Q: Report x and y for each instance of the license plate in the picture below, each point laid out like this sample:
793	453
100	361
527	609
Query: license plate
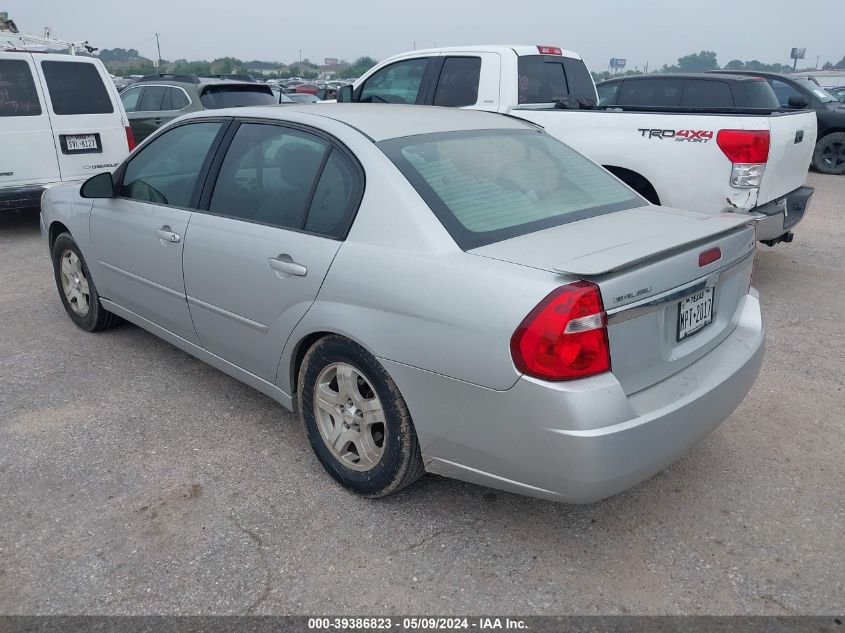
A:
694	313
80	143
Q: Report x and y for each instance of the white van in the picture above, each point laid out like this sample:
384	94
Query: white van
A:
60	119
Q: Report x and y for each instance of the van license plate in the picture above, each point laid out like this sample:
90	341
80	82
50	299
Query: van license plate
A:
80	143
694	313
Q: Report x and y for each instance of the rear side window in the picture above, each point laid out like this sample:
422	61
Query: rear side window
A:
152	98
487	186
177	99
707	93
76	88
17	89
268	175
458	83
236	96
651	92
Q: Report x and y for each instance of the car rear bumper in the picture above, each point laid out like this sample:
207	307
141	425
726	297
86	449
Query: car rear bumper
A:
25	197
582	441
782	215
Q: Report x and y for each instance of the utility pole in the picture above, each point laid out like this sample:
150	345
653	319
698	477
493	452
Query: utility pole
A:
158	48
415	46
300	55
645	72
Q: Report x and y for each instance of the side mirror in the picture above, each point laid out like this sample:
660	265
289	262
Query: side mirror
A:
798	103
344	94
99	186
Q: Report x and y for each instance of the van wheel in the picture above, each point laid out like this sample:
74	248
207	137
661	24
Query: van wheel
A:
76	287
829	156
356	419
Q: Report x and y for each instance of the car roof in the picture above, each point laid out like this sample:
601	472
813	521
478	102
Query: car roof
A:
518	49
710	76
752	73
380	122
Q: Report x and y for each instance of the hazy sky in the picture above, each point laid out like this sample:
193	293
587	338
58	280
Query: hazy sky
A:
639	30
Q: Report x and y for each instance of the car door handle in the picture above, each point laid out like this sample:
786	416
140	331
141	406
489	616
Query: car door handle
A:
284	264
157	121
166	235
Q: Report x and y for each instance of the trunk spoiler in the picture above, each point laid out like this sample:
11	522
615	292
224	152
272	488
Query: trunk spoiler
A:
628	254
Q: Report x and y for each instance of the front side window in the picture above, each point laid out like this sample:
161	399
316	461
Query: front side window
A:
458	83
660	93
268	175
166	171
76	88
17	89
783	91
397	83
487	186
608	92
130	98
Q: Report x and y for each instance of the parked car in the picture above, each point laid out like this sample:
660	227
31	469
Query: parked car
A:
491	306
838	92
805	94
688	90
306	88
155	100
303	97
60	120
743	161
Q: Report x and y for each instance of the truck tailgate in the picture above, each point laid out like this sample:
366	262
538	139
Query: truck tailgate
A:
791	143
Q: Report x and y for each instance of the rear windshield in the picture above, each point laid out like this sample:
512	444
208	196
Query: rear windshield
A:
488	186
76	88
236	96
17	89
545	78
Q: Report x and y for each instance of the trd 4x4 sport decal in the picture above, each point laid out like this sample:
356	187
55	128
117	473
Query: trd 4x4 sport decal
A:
689	136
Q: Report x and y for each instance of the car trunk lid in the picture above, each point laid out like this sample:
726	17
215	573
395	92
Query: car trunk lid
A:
646	262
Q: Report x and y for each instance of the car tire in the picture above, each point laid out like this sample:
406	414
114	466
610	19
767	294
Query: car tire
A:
73	279
829	155
357	421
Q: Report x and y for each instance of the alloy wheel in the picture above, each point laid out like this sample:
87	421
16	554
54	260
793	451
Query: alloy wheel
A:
74	282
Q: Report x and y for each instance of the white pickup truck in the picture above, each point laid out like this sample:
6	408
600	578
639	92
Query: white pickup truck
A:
713	161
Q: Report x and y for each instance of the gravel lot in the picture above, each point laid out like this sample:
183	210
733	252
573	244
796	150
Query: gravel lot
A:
135	479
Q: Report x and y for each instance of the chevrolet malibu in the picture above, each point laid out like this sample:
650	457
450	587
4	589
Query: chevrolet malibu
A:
432	290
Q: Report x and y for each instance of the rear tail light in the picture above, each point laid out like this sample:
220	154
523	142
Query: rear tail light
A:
748	150
565	336
549	50
130	138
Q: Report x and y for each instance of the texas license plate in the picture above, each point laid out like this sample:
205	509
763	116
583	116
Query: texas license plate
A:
694	313
81	142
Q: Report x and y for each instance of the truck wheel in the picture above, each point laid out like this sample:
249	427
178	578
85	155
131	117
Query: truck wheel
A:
829	157
357	421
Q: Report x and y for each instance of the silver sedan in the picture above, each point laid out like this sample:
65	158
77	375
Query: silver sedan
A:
431	289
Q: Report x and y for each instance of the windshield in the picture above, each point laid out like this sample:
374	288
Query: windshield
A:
492	185
545	78
821	94
236	96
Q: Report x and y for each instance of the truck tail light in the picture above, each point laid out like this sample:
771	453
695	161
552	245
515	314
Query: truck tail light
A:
549	50
709	256
748	150
130	138
565	336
